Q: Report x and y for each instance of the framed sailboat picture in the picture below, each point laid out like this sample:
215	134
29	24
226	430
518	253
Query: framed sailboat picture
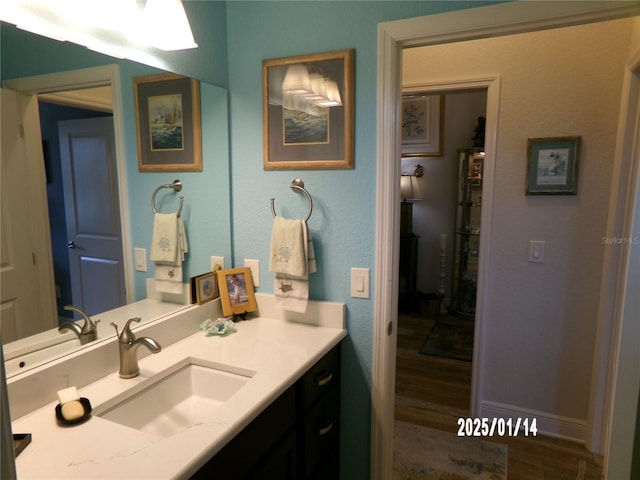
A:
308	111
168	125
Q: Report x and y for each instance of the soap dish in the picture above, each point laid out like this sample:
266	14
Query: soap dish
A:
87	414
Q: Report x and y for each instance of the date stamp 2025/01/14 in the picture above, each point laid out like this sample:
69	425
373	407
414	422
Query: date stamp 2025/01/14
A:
500	427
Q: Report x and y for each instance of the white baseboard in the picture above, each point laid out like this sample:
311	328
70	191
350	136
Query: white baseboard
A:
547	424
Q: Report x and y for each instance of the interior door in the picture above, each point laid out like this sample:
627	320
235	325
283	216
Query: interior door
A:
25	307
87	152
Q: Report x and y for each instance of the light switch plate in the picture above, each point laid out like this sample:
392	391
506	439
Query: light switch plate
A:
536	251
141	259
360	282
254	265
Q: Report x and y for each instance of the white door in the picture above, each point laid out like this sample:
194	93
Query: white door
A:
87	152
26	307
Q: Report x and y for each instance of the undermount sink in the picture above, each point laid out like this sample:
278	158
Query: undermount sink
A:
180	397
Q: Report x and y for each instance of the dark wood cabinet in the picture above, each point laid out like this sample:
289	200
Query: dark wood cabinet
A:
408	274
296	437
319	415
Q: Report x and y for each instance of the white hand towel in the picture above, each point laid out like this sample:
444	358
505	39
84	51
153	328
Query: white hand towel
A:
292	292
165	243
168	246
288	247
168	278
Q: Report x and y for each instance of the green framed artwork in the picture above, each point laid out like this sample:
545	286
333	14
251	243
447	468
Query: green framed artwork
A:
553	165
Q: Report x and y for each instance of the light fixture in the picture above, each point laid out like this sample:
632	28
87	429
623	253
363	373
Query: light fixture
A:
114	27
409	192
318	90
409	188
167	26
313	87
332	94
296	80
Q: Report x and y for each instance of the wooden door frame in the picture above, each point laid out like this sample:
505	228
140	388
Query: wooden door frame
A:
491	21
616	384
73	80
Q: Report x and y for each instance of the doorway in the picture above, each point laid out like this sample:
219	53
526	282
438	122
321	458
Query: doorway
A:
435	338
59	85
71	259
487	21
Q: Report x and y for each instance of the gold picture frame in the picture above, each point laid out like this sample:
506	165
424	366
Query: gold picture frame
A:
204	288
236	291
306	127
168	123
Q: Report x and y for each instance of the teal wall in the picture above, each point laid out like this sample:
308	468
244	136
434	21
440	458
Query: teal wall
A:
343	220
234	39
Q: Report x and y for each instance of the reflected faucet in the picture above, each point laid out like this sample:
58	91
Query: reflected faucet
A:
128	347
87	333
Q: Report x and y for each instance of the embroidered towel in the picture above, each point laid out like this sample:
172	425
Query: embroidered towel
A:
292	291
168	246
168	278
165	239
288	248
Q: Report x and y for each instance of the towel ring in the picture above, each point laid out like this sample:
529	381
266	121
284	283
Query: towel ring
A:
296	185
176	185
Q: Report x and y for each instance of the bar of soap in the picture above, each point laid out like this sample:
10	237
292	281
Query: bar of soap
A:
72	410
67	395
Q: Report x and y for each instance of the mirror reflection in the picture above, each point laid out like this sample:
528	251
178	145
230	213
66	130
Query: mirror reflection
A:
120	211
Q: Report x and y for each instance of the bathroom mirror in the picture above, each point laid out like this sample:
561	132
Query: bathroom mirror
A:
197	192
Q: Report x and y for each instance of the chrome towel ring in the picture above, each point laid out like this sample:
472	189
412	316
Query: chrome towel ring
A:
296	185
176	185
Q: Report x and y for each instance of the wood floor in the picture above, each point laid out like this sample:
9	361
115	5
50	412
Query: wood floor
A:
436	391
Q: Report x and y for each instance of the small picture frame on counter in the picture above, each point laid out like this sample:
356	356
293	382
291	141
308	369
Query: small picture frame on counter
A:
204	288
236	291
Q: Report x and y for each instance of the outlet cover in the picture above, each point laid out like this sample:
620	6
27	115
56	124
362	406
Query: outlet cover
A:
254	265
217	261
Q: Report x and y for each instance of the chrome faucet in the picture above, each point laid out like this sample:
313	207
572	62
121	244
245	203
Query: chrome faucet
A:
128	346
87	333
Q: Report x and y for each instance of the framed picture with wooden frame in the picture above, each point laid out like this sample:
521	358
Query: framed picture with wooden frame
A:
204	288
422	125
236	291
552	165
308	111
168	123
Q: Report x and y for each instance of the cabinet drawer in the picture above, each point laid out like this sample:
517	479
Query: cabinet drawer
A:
320	378
322	430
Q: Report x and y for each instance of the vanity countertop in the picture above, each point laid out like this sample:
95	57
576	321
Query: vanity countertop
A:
279	351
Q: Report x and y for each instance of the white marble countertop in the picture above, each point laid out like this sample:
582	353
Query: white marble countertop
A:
279	351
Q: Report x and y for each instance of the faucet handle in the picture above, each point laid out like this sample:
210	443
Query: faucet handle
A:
126	335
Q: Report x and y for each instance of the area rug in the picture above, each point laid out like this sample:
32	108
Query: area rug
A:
422	453
450	341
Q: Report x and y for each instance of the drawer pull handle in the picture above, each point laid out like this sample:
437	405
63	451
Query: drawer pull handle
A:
326	428
324	379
